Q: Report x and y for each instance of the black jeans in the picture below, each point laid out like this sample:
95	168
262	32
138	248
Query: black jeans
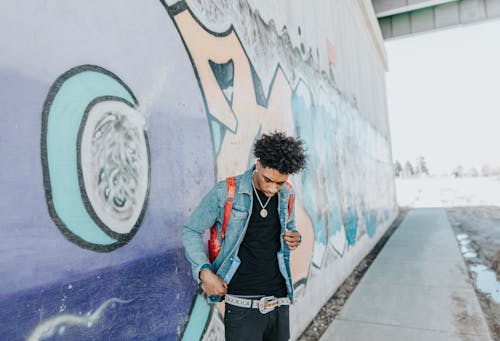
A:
246	324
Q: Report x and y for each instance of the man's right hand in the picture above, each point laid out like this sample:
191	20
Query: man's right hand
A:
212	284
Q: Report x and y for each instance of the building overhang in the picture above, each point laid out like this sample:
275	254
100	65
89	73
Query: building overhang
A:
399	18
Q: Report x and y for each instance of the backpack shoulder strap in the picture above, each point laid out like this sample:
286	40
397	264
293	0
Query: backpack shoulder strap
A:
291	199
231	189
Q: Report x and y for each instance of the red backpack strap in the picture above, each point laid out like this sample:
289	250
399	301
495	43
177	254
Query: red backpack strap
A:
231	189
214	245
291	199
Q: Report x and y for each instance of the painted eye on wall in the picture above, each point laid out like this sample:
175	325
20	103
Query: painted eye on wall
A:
95	157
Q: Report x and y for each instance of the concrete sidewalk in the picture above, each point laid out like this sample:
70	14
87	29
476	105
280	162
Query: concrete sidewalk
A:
416	289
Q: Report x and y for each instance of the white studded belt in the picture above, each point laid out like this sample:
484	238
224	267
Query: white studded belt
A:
264	304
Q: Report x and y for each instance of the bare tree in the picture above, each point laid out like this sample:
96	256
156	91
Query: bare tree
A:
458	172
409	171
421	166
398	169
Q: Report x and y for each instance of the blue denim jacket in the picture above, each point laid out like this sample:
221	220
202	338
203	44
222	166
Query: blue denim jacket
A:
211	209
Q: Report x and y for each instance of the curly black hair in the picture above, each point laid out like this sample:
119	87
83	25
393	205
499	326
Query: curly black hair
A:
281	152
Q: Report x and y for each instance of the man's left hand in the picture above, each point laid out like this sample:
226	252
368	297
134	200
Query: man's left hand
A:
292	239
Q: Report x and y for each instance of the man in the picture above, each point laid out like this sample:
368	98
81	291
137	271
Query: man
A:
252	270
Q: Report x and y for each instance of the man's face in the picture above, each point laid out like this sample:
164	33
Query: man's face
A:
268	180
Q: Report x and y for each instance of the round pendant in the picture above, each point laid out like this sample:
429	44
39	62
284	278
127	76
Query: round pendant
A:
263	213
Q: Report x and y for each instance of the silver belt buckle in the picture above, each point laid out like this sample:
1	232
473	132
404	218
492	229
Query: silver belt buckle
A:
267	304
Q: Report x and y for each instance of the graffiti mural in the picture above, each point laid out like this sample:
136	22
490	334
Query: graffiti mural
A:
128	133
317	125
98	147
331	205
236	123
90	116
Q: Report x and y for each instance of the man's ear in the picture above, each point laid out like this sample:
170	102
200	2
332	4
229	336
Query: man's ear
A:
258	165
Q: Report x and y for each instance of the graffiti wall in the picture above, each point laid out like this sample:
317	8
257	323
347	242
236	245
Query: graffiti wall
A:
118	116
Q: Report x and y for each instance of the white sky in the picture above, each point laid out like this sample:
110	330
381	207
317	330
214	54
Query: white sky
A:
443	92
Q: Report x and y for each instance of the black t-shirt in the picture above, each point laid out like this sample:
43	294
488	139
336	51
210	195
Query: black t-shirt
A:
258	273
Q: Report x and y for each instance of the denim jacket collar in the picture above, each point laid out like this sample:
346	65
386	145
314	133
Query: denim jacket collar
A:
245	186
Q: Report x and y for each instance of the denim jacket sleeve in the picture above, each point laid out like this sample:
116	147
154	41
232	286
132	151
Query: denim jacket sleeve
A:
203	217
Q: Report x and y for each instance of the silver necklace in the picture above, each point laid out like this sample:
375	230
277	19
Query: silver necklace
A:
263	211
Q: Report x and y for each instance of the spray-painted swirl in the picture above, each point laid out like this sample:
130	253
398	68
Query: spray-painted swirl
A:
114	162
96	158
114	149
58	323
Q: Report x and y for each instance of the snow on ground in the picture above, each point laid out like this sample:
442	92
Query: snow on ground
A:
478	235
448	192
